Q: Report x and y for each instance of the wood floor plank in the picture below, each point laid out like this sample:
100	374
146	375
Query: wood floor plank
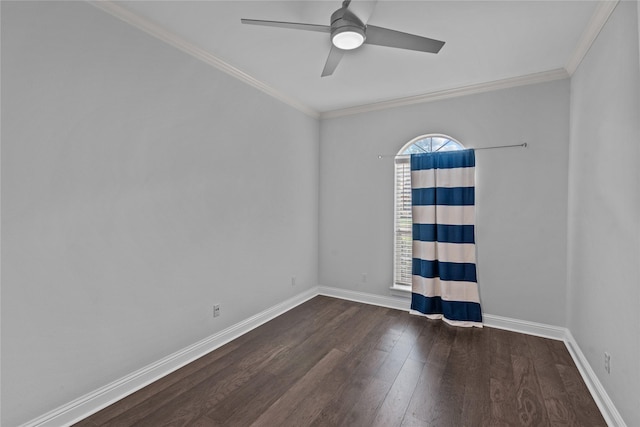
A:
323	394
587	413
152	398
364	410
332	362
477	392
267	385
450	398
195	402
518	343
559	408
559	353
288	404
423	403
347	404
502	390
196	368
403	339
424	343
363	362
205	422
392	410
529	401
341	405
357	329
255	393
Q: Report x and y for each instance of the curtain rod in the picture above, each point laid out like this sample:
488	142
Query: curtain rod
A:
523	145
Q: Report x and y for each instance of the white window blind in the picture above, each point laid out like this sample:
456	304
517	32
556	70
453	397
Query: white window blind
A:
403	223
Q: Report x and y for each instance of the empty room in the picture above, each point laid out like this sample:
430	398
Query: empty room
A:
320	213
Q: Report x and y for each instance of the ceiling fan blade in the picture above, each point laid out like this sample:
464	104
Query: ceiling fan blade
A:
291	25
392	38
335	55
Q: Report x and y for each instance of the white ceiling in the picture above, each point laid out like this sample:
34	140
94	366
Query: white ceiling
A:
486	41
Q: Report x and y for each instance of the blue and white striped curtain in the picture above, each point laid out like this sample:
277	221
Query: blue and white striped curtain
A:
444	284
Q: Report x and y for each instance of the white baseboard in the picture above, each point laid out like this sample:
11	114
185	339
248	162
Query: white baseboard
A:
91	403
606	406
404	303
524	327
399	303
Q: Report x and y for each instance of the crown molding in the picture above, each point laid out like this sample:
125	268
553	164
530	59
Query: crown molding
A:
176	41
545	76
597	21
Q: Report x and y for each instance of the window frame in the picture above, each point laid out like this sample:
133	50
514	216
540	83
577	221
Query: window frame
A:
401	158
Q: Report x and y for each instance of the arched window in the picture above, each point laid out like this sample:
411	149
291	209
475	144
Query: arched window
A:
402	253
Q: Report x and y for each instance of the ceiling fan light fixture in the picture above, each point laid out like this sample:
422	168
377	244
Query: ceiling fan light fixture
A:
348	38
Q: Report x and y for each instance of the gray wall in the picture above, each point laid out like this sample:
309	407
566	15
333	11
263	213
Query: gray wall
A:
521	195
604	209
139	187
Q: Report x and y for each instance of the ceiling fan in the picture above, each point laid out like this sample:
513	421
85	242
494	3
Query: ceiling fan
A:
348	32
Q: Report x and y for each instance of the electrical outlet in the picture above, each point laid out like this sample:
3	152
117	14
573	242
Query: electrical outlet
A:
293	280
607	362
216	310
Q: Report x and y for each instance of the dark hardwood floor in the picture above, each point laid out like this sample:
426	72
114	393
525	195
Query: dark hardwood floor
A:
330	362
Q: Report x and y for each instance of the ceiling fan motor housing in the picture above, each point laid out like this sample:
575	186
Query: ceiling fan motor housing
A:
347	26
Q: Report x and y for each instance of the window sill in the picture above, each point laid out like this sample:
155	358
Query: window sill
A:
400	291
